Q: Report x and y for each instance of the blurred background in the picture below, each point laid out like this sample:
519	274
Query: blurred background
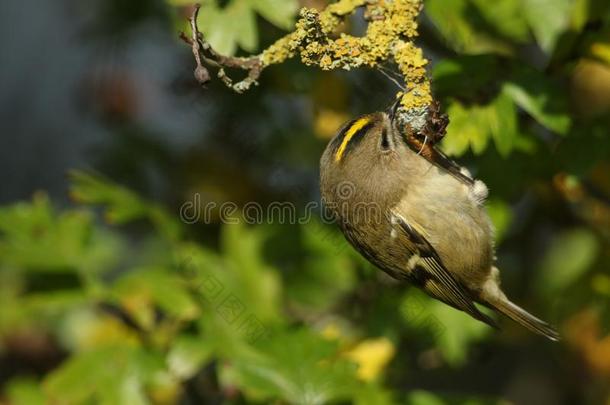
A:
109	294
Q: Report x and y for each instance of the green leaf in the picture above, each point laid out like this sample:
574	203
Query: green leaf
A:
548	19
280	13
106	375
448	17
506	17
570	255
33	237
226	28
452	331
541	98
502	123
373	394
25	391
501	216
465	130
122	205
187	355
419	397
218	28
325	272
299	367
473	126
246	33
534	106
468	31
163	287
248	278
233	25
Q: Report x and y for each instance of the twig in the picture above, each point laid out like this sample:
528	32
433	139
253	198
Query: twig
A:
318	40
205	55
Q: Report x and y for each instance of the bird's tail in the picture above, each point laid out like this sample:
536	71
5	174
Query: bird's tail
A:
524	318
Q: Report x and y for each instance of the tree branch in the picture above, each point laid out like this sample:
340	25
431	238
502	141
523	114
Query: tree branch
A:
206	55
391	31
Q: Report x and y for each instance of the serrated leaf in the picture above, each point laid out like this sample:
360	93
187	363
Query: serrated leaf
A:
161	287
464	131
246	33
217	28
34	237
106	375
122	205
299	367
473	126
226	28
280	13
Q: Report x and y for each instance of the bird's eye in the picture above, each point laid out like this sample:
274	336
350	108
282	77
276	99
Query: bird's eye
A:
385	141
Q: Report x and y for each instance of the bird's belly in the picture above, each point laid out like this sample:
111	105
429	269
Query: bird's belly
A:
456	227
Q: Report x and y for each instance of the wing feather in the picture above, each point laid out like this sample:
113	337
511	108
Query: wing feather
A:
434	278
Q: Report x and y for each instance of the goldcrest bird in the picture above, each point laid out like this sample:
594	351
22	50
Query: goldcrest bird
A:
419	219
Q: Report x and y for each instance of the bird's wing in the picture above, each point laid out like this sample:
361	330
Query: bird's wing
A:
432	276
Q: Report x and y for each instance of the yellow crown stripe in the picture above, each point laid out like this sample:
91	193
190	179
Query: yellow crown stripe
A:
356	126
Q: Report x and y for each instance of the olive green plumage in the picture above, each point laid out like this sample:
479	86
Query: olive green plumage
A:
415	220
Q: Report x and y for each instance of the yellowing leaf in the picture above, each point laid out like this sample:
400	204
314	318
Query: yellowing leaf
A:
372	356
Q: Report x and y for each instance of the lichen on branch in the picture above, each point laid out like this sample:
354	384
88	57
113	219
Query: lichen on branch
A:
318	41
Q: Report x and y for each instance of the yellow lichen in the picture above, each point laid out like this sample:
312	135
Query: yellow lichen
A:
392	27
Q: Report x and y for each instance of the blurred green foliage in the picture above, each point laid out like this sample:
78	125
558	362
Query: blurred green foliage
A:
114	300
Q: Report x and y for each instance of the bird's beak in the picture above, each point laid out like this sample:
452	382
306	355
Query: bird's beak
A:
391	110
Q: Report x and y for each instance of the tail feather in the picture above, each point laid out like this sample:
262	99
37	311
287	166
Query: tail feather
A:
525	319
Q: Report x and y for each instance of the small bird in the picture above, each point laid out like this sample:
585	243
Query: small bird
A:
416	215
